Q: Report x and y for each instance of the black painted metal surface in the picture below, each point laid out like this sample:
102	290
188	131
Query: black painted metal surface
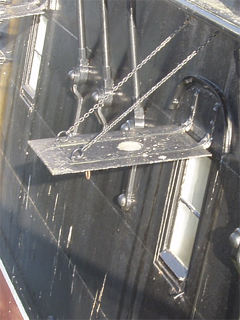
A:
68	247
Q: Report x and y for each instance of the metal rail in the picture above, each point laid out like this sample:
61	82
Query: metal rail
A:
210	17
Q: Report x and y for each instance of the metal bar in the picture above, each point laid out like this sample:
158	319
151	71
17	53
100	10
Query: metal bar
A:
126	199
83	61
79	105
138	112
79	75
190	207
106	48
107	70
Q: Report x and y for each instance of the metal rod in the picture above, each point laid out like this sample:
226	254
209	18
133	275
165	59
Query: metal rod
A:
80	74
125	200
81	34
107	72
138	112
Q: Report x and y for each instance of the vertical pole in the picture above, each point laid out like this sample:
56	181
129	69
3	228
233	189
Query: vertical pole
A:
81	34
107	73
126	199
139	112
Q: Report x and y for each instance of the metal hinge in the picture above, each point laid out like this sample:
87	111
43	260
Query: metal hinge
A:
26	9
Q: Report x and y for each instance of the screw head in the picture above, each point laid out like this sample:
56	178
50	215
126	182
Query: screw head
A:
122	200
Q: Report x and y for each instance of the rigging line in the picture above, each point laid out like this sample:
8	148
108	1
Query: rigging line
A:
78	153
66	134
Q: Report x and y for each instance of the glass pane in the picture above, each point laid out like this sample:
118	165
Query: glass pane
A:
195	181
184	232
41	32
34	71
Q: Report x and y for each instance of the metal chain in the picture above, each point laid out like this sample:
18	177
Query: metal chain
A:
79	152
100	103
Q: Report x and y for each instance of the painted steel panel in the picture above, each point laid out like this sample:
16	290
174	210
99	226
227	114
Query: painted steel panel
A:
70	249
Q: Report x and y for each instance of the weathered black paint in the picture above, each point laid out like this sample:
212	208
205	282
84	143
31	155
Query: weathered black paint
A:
112	250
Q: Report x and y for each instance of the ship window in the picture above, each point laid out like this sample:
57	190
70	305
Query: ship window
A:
182	215
33	59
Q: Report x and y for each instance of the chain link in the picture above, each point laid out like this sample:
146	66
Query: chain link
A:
66	134
79	151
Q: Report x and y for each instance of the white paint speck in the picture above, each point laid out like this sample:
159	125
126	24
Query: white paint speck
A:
69	236
28	190
49	190
55	206
59	237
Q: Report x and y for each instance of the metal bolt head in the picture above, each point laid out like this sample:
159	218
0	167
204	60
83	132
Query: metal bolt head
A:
71	75
75	76
174	105
122	200
95	96
235	238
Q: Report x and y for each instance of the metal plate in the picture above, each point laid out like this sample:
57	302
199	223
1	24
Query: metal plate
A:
176	266
120	149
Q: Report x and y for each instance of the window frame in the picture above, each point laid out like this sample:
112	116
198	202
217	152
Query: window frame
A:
27	92
166	262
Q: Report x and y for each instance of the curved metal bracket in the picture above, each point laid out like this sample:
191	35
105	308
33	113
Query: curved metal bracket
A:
207	91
